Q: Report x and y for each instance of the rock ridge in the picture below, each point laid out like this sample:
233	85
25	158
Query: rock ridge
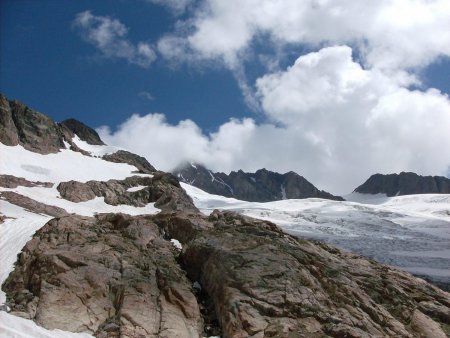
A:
261	186
405	183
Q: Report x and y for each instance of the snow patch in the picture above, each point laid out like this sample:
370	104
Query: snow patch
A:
63	166
283	192
16	327
136	188
95	150
176	244
51	196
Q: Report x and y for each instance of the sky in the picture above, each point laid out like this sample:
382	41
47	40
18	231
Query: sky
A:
335	90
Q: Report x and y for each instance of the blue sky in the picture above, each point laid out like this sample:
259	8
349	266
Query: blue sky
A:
335	91
46	64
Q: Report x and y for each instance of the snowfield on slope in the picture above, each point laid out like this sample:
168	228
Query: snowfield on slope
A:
411	232
20	224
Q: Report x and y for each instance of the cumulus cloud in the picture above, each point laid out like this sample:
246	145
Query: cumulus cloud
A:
388	34
328	119
109	36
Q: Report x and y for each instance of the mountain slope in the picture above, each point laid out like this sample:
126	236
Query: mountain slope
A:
405	183
261	186
103	249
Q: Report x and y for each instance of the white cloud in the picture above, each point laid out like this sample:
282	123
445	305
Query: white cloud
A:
146	95
331	121
109	36
176	6
388	33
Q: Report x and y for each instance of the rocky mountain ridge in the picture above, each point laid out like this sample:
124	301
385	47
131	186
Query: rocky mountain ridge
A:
405	183
20	125
117	275
261	186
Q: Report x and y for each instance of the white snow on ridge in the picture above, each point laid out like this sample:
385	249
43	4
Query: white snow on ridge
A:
400	230
95	150
89	208
63	166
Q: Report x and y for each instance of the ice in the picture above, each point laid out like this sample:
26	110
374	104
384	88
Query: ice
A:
379	227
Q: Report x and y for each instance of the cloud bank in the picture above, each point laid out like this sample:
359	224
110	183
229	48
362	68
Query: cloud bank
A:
328	119
351	104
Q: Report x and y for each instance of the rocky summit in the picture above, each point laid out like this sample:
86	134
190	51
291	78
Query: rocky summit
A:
261	186
405	183
131	255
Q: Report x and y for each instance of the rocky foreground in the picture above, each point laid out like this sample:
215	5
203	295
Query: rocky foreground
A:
122	277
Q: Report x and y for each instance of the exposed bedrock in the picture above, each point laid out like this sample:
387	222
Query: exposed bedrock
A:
163	189
10	181
112	276
123	278
123	156
265	283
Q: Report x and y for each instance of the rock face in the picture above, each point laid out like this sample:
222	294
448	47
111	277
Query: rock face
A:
163	189
84	132
139	162
34	131
10	181
120	274
37	132
261	186
265	283
405	183
32	205
115	272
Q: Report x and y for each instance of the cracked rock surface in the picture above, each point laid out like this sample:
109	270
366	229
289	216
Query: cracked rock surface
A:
124	278
115	272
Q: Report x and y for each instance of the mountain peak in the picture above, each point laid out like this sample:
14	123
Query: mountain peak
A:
405	183
84	132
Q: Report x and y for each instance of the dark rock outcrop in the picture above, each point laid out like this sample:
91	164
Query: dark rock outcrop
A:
405	183
120	275
34	131
32	205
113	276
139	162
84	132
261	186
10	181
163	189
